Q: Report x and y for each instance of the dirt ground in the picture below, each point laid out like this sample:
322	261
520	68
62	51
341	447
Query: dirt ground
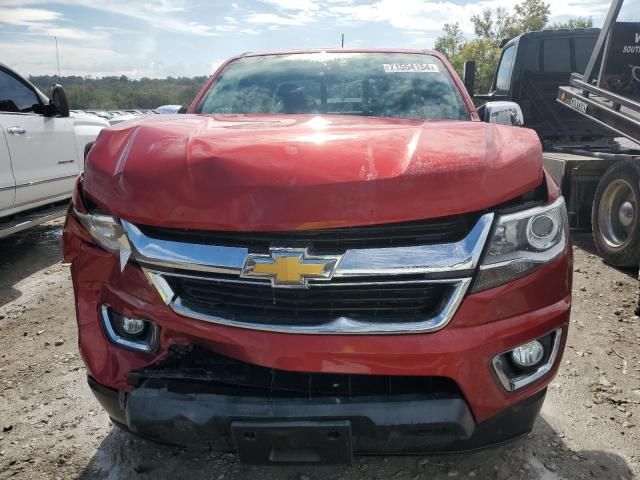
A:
53	428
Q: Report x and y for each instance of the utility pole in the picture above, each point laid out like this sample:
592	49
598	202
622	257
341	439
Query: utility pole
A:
342	41
57	58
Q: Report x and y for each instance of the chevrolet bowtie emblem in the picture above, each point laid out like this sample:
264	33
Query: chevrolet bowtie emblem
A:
289	267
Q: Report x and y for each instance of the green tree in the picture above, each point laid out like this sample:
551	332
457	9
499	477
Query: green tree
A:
498	24
121	92
580	22
486	54
493	24
451	42
531	15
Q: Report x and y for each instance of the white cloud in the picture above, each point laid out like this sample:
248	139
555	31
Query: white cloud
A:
92	50
297	5
410	16
27	16
273	19
579	8
161	14
163	6
225	28
70	33
47	23
405	15
39	57
414	15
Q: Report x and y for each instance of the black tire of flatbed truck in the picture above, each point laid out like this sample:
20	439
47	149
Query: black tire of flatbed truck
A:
617	243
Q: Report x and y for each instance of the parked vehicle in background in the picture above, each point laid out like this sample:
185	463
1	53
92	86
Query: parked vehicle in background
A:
42	151
100	113
329	253
168	109
114	120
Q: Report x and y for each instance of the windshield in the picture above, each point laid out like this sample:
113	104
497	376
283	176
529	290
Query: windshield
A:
416	86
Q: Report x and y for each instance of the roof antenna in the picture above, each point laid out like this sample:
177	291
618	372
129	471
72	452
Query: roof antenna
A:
342	40
57	58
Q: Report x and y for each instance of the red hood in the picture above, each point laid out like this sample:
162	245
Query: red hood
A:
265	172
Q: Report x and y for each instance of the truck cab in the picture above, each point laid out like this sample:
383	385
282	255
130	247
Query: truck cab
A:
531	69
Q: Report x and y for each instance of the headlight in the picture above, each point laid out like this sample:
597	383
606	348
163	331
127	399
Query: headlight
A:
107	231
521	242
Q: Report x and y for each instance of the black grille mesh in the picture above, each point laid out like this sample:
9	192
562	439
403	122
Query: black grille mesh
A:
255	302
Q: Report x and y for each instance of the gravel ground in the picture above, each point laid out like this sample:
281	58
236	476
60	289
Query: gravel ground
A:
53	428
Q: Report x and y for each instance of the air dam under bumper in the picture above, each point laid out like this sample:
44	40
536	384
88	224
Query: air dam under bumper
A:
374	425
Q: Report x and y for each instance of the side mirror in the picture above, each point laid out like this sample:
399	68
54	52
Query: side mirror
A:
59	100
469	76
502	113
182	109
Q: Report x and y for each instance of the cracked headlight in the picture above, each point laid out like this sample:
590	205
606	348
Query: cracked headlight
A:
107	231
521	242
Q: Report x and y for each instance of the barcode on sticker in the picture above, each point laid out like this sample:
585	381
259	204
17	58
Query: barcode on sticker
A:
410	68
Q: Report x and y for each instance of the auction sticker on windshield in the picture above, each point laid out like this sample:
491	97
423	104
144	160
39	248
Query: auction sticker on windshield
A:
410	68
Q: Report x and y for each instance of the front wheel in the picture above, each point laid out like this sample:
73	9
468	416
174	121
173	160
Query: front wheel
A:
615	217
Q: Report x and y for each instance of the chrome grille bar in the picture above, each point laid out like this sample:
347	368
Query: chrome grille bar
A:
458	257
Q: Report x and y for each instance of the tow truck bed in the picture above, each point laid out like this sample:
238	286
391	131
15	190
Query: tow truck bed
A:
617	113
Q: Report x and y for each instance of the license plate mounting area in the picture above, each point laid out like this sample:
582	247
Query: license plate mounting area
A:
269	443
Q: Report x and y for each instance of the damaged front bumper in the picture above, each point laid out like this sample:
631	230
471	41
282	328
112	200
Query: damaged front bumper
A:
197	398
263	431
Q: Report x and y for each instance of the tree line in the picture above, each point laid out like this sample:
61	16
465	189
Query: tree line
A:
491	27
122	92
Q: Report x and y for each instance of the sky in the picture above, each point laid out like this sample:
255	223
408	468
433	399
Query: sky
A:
159	38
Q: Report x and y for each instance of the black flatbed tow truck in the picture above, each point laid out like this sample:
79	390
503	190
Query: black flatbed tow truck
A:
589	123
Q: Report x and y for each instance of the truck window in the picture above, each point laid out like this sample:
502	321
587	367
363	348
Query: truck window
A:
556	55
583	47
398	85
503	78
529	56
15	96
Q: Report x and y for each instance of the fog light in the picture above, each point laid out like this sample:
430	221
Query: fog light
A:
528	362
528	355
131	333
132	326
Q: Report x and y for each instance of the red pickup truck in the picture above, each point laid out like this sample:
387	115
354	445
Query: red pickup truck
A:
332	252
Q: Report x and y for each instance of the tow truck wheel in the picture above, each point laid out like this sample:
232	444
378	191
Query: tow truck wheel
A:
615	218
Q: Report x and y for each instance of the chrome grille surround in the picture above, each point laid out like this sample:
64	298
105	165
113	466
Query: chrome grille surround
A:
449	263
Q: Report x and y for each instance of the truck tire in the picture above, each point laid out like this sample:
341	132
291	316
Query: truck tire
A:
615	219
